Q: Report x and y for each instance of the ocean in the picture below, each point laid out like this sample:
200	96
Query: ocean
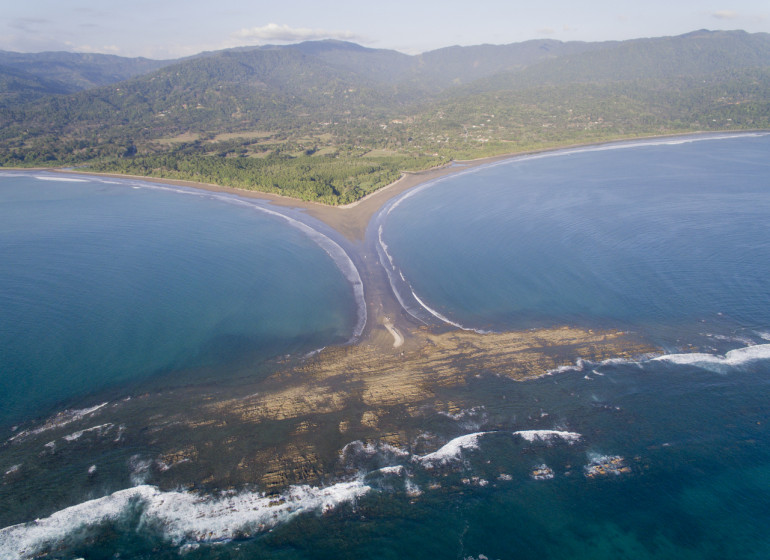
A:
111	285
664	455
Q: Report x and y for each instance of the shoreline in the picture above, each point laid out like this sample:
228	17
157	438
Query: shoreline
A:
383	313
387	324
351	220
382	393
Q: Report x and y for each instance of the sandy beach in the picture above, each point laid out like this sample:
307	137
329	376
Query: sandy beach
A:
352	219
388	325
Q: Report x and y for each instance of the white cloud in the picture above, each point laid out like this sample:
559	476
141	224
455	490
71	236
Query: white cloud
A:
284	33
725	14
546	31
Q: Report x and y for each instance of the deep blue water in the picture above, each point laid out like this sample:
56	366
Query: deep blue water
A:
652	459
105	286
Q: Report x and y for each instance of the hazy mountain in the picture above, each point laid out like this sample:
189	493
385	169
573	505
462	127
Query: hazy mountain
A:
699	53
334	97
65	72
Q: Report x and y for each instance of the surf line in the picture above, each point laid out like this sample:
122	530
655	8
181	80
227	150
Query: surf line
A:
387	262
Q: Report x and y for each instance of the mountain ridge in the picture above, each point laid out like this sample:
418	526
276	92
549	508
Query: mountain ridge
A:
252	113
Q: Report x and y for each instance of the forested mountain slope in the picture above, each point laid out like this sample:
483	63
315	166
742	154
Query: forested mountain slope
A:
331	121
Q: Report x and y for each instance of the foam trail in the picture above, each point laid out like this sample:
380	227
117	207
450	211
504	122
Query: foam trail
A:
446	319
61	179
580	365
61	419
452	451
337	254
182	516
547	436
733	358
385	248
382	253
712	362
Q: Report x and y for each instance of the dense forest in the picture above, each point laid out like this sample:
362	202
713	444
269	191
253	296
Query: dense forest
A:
332	121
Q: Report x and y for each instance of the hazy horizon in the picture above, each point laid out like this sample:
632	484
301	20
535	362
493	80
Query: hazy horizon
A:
174	29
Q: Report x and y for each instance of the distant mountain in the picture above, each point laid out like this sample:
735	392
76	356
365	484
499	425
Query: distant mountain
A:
64	72
339	99
694	54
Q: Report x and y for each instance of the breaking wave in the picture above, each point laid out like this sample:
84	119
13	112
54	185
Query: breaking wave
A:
452	450
712	362
548	436
183	517
733	358
387	262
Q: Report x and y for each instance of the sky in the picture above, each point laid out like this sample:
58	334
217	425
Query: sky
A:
175	28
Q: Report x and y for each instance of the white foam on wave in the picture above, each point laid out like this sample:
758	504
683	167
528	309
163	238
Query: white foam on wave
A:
604	465
704	360
580	365
452	451
385	249
60	179
184	517
344	263
444	318
369	449
397	470
382	250
99	430
733	358
548	436
59	420
745	340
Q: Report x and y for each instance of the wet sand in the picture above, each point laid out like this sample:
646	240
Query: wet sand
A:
351	220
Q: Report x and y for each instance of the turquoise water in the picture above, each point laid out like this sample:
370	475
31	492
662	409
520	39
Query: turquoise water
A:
108	287
655	458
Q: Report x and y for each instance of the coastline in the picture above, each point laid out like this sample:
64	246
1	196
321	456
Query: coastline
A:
399	394
351	220
382	311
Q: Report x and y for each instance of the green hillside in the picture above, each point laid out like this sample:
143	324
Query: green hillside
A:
332	121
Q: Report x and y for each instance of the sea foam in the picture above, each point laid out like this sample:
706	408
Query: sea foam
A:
60	179
733	358
184	517
452	451
548	436
60	419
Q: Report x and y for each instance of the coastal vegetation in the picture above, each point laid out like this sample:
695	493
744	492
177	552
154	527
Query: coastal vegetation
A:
331	121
